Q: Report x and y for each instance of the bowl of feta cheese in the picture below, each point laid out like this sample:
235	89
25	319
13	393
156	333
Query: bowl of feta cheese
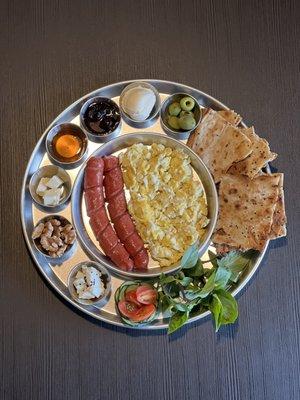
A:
89	283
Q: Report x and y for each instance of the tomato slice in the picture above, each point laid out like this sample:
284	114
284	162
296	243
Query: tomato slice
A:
143	313
130	295
135	313
127	308
146	295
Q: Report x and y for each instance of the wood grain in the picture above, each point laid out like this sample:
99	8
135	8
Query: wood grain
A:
245	54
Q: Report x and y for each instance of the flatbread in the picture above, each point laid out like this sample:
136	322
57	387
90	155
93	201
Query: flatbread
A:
219	144
278	228
246	210
260	156
230	116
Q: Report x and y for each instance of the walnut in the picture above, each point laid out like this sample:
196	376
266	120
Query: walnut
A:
49	243
38	231
55	222
70	237
48	230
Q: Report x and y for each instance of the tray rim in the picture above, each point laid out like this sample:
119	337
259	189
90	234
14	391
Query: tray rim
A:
28	241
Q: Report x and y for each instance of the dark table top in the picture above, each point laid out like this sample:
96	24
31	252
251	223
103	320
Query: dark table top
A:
246	54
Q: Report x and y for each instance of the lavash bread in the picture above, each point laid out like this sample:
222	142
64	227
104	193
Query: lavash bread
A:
246	210
219	144
259	157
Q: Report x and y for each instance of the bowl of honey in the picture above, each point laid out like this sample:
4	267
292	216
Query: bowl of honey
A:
66	145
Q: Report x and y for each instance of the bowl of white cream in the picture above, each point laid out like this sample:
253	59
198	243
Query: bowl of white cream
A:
140	104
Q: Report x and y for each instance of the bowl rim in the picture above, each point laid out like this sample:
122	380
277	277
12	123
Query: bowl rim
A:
112	147
83	109
51	154
40	203
164	104
68	250
156	107
101	268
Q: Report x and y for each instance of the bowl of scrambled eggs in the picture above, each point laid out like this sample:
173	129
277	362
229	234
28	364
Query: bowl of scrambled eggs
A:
171	197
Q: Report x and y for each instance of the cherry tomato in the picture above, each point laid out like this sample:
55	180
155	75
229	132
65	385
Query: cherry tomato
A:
130	295
146	295
135	313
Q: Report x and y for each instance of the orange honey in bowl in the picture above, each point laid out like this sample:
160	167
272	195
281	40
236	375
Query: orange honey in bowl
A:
67	146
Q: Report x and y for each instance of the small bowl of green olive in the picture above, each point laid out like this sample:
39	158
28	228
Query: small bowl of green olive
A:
180	115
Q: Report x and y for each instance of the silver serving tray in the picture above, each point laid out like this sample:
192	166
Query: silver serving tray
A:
56	272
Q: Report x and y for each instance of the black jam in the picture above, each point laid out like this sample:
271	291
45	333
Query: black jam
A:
102	117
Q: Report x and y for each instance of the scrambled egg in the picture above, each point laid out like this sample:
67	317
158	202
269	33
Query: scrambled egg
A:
169	207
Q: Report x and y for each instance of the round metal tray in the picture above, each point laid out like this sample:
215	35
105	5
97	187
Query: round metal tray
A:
56	272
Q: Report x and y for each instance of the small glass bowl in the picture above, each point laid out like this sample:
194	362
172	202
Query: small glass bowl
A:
154	113
47	172
70	248
105	277
67	128
94	137
178	134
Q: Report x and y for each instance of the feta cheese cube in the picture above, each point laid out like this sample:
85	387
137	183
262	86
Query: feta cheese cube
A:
55	182
52	197
42	186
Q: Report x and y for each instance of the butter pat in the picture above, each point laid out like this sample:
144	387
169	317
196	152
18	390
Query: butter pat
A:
138	103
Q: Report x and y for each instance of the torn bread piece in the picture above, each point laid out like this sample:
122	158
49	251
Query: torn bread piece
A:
246	210
219	144
231	116
278	228
260	156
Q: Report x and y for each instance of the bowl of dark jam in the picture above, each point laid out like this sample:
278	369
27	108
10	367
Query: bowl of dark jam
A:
100	119
66	145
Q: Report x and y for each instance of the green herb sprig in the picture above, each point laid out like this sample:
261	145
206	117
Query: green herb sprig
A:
197	288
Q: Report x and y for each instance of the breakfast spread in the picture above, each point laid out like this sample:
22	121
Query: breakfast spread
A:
51	190
88	283
138	102
152	207
53	236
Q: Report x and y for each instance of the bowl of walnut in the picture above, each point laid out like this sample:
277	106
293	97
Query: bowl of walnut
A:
54	236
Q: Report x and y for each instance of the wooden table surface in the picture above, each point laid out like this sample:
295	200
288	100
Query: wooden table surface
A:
246	54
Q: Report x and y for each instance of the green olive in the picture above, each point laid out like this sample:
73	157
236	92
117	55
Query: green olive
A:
187	122
183	113
174	109
174	122
187	103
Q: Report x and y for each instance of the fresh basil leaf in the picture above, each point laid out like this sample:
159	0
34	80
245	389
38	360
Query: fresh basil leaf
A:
215	307
196	271
224	308
208	287
213	258
229	307
185	281
190	256
180	306
164	303
164	279
222	277
177	321
235	262
208	272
